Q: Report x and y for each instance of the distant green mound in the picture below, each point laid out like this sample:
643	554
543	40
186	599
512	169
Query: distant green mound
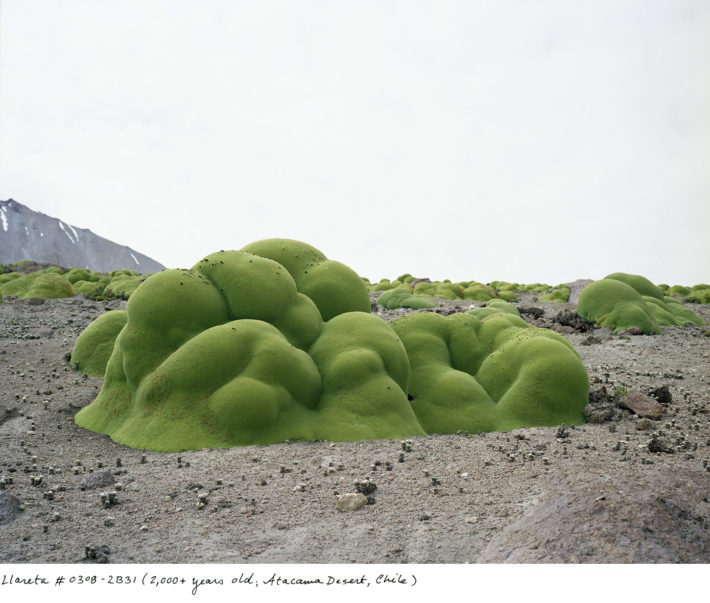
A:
403	298
559	294
46	284
53	283
620	301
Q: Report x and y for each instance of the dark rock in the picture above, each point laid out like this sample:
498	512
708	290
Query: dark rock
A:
575	321
9	507
633	331
35	301
602	407
532	311
590	340
97	479
96	554
642	405
662	394
657	444
562	432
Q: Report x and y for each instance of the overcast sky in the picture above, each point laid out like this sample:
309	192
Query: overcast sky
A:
523	141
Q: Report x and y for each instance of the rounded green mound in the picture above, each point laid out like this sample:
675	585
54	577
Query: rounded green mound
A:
559	294
232	352
495	373
47	284
333	287
677	291
403	298
479	292
94	346
495	306
699	296
640	284
507	296
617	304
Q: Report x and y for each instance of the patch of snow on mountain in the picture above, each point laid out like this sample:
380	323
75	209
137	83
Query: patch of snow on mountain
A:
61	225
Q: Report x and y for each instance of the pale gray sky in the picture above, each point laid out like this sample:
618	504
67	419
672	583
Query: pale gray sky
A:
523	141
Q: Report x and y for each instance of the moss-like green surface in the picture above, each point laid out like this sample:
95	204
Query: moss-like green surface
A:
479	292
234	352
620	301
699	296
403	298
495	373
333	287
495	306
559	294
94	346
45	284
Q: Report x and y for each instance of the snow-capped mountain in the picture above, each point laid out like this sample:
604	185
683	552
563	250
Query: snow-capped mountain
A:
29	235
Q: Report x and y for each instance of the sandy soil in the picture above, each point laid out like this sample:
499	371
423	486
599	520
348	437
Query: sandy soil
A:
593	493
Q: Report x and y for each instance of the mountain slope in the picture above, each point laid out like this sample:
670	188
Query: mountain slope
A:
29	235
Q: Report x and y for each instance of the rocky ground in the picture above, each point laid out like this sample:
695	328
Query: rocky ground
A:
626	489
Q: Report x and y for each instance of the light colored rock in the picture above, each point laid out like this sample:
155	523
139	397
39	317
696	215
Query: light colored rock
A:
642	405
351	501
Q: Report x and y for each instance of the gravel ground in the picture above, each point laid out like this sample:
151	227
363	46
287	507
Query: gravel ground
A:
592	493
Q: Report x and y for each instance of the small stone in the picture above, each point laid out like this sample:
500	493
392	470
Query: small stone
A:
644	424
633	331
471	519
642	405
662	394
97	479
351	501
657	444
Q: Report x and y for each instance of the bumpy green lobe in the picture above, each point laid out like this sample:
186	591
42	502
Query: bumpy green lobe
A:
9	276
495	306
507	296
479	292
442	290
559	294
497	373
333	287
639	283
403	298
94	346
700	296
45	284
677	291
618	305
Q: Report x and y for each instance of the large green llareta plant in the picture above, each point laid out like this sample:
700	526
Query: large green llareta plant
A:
237	351
620	301
491	373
